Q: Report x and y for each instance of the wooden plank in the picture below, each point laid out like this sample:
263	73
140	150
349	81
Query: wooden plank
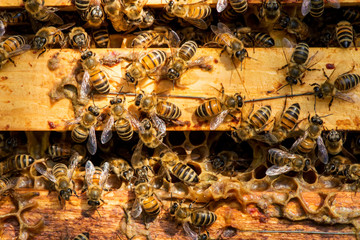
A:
25	104
251	224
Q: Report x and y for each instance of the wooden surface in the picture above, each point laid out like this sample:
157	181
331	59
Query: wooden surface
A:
25	104
251	224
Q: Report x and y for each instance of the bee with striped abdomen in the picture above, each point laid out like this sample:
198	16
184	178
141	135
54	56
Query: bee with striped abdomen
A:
295	26
11	18
38	11
145	200
49	36
270	11
316	7
101	37
79	38
217	109
122	169
311	138
334	142
95	15
133	9
160	35
95	178
150	136
82	6
11	47
193	13
82	236
113	10
59	151
61	175
261	39
351	14
238	6
7	184
139	163
251	127
342	167
337	88
146	65
345	34
15	163
285	161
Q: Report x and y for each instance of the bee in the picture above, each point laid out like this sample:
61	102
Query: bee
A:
95	15
85	128
218	108
193	13
171	163
298	64
311	138
316	7
262	39
251	127
15	163
295	26
93	74
166	17
159	36
283	129
343	83
122	169
120	119
145	66
101	37
225	162
334	142
82	6
112	8
82	236
229	15
79	38
145	200
47	36
345	34
149	135
342	167
61	175
133	9
41	13
11	18
140	164
285	161
351	14
6	184
11	47
238	6
95	179
231	44
61	150
188	215
270	11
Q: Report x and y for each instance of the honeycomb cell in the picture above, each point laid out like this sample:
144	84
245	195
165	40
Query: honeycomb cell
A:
260	172
310	176
284	183
198	154
259	185
176	138
294	211
197	137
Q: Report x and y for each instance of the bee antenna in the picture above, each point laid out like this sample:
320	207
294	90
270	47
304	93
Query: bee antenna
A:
282	87
325	115
98	212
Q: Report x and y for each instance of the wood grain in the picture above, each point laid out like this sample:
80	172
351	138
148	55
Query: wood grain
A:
25	104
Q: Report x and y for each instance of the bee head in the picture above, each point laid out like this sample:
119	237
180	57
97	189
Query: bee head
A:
291	80
94	110
218	162
241	54
239	100
87	54
93	203
174	207
316	120
173	74
334	136
129	78
284	21
138	99
65	194
38	42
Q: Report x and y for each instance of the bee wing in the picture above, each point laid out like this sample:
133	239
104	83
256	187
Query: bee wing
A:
104	174
275	170
322	152
106	134
158	123
66	26
305	7
201	61
199	23
11	184
74	160
189	231
136	209
21	50
344	96
220	30
134	121
297	142
334	3
91	143
74	121
221	5
137	153
174	39
89	172
85	85
2	28
288	48
218	119
43	171
55	19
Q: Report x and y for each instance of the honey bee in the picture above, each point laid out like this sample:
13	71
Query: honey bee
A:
95	16
145	200
188	215
60	151
47	36
345	34
295	26
334	142
8	145
311	138
238	6
149	135
218	108
11	18
94	74
251	127
7	184
82	236
85	128
133	9
101	37
231	44
158	36
122	169
342	167
146	65
15	163
351	14
61	175
343	83
95	179
285	161
79	38
112	8
41	13
11	47
120	119
229	15
270	11
261	39
225	162
284	128
140	164
298	64
193	13
316	7
82	6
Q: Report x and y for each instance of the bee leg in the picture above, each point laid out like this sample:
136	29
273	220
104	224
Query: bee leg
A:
42	52
12	61
223	50
330	103
283	67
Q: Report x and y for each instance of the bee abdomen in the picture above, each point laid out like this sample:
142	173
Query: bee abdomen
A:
82	236
208	109
306	146
22	161
153	59
199	12
301	53
124	129
261	116
100	81
101	37
347	81
290	117
262	39
13	43
275	157
317	8
185	173
59	170
168	110
239	6
79	134
203	218
59	150
344	34
144	38
228	14
151	206
188	50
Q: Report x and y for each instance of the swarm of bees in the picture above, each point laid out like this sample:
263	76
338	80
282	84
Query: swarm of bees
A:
145	162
